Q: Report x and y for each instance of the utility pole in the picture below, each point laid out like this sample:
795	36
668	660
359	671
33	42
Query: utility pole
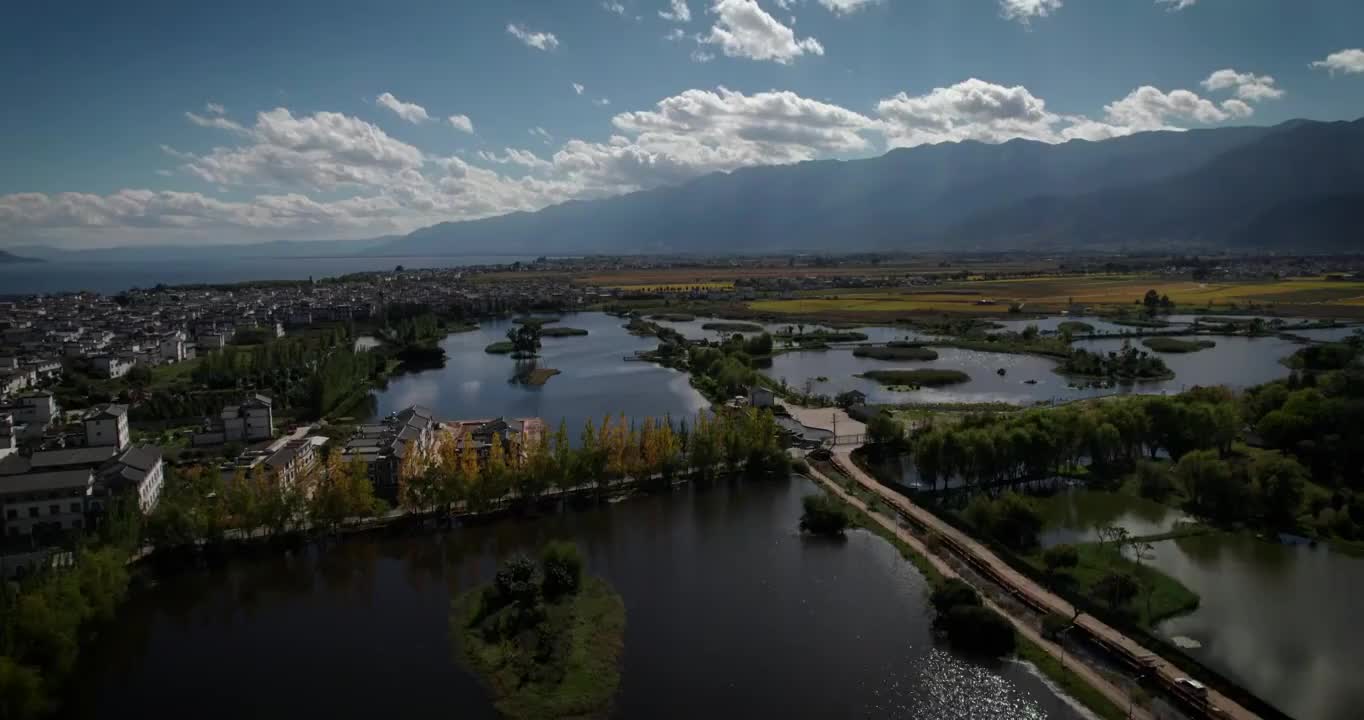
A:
834	417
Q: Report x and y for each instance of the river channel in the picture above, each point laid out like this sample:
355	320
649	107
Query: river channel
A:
730	613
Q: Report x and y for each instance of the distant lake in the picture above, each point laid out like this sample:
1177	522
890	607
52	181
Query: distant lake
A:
112	277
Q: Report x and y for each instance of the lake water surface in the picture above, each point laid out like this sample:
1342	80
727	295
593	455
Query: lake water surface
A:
730	613
594	379
1283	620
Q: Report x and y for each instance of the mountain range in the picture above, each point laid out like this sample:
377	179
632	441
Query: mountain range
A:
1296	186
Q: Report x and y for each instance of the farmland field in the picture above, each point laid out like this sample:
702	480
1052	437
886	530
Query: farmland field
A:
674	287
1306	296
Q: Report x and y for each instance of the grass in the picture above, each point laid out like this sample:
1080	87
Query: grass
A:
1168	596
1070	683
896	353
501	347
165	376
732	327
927	377
562	332
1075	327
539	376
673	317
591	624
1177	345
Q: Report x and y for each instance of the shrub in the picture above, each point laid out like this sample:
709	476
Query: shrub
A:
823	516
562	568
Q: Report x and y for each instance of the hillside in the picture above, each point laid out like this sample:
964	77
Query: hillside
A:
1207	188
10	258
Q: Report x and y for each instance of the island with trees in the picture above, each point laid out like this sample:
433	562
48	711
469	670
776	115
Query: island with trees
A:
913	379
546	639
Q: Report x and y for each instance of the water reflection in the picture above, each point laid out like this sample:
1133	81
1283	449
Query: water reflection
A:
1073	515
594	379
1281	619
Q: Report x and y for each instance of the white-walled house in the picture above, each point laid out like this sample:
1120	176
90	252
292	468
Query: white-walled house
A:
111	366
45	501
139	471
107	425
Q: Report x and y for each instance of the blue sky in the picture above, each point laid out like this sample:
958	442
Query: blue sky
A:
173	122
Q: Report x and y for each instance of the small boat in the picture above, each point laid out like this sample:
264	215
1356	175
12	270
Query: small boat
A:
1002	372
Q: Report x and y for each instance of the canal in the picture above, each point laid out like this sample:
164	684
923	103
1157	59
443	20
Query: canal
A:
730	613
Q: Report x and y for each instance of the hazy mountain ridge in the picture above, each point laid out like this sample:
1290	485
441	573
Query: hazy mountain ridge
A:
1200	188
6	257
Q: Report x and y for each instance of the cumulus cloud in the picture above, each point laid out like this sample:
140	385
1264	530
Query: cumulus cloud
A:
1176	5
844	7
461	123
677	11
1349	62
601	102
970	110
538	40
213	108
743	29
578	88
1248	86
410	112
613	6
374	184
1025	10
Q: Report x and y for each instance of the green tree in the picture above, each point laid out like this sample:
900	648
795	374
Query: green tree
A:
1116	590
1060	557
1279	481
823	515
562	569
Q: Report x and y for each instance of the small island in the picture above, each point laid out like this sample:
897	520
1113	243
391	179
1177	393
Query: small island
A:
673	317
1074	327
1128	363
562	332
546	640
740	327
823	515
896	351
501	347
536	377
927	377
1177	345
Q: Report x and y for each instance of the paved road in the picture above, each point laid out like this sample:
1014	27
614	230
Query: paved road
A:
1025	585
1115	694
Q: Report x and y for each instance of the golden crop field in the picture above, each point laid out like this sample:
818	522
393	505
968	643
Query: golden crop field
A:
1313	296
674	288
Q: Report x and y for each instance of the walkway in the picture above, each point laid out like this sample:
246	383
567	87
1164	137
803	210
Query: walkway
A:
1023	586
1109	690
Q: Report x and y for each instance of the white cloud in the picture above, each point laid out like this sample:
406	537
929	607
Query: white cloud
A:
322	151
461	123
701	56
578	88
213	108
513	156
1350	62
375	184
538	40
843	7
1025	10
1148	108
970	110
221	123
675	34
1176	5
602	102
677	11
410	112
1248	86
743	29
613	6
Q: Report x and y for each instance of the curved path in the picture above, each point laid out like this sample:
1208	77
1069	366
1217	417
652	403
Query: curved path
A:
1092	677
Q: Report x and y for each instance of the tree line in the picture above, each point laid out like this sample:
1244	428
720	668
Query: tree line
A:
462	475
